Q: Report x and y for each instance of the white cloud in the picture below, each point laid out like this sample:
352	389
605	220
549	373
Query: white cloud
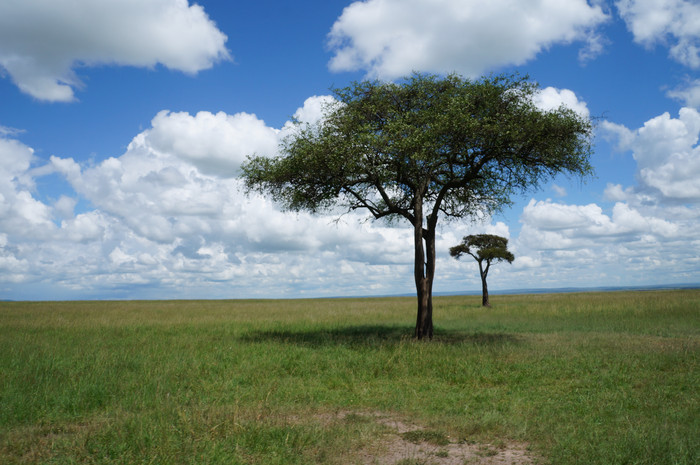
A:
42	41
616	193
215	143
6	131
168	218
555	216
65	206
525	262
667	154
649	234
84	227
595	46
310	113
391	38
675	23
617	134
17	157
314	108
590	222
689	94
583	245
20	212
551	98
168	215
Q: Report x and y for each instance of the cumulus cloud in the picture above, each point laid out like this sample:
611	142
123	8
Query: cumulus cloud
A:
568	224
688	94
391	38
20	212
551	98
314	108
556	217
168	214
675	23
585	245
178	178
667	154
649	232
310	113
214	143
42	41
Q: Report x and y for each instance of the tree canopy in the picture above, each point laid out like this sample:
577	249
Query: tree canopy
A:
486	248
423	148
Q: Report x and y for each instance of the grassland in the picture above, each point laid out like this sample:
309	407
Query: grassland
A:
586	378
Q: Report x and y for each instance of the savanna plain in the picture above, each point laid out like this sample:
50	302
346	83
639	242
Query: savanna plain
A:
581	378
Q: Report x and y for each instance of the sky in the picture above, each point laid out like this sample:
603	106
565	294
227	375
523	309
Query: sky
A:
123	125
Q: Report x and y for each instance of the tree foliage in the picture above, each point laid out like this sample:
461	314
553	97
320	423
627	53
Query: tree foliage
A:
424	148
484	247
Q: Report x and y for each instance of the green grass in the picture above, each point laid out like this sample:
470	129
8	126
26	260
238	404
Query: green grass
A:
589	378
431	437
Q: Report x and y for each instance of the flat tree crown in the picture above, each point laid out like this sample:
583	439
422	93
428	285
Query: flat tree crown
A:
461	146
488	247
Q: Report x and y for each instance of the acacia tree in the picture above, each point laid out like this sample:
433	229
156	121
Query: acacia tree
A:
423	148
487	248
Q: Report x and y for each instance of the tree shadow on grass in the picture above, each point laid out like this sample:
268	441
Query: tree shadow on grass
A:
373	335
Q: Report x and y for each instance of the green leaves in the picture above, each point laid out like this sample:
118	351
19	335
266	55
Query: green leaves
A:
488	247
458	145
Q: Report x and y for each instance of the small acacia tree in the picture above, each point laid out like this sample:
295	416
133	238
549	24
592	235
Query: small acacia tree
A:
421	149
484	248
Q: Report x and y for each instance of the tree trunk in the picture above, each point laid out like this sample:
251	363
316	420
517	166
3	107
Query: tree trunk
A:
484	287
424	318
424	272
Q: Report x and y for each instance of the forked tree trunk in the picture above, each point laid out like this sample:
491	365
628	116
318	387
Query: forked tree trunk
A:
484	287
424	291
424	273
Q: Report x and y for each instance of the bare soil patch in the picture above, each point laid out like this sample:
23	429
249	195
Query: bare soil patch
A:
407	443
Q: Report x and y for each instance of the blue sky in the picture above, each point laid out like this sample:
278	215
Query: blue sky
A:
123	125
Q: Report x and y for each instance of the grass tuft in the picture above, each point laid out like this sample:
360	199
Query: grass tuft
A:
436	438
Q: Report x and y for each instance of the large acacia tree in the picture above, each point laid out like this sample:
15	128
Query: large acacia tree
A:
421	149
